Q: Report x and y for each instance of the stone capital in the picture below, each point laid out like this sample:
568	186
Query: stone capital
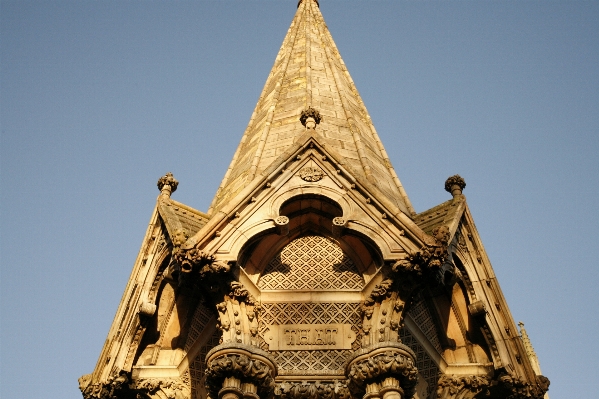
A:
386	366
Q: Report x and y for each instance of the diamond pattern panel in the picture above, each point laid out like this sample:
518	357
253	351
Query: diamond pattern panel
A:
200	318
311	362
198	366
421	315
311	262
426	366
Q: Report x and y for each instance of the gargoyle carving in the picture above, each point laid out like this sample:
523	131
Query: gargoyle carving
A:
194	264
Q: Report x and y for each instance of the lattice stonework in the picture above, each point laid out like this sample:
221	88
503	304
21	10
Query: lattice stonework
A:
198	366
421	315
201	317
324	362
311	262
426	366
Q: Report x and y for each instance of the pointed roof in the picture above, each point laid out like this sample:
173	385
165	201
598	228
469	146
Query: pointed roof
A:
309	72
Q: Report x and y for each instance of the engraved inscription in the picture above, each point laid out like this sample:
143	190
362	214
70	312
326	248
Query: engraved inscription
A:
309	336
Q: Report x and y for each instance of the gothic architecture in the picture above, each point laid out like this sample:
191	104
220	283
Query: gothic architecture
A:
311	275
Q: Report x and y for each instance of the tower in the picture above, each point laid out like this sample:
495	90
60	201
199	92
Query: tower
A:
311	275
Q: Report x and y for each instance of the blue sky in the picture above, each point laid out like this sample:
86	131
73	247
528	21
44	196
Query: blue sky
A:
100	98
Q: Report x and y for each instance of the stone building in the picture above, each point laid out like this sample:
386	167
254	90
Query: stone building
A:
311	275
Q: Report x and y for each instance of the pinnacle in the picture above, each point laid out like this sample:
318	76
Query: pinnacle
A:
309	74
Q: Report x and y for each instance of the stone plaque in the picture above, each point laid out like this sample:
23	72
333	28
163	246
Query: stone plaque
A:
309	337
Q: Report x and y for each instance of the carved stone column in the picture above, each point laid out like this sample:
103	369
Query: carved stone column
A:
237	371
385	371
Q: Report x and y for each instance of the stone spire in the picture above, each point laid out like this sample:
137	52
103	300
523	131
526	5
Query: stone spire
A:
309	73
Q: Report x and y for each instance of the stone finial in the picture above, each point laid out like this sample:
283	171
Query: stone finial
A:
310	118
167	184
454	185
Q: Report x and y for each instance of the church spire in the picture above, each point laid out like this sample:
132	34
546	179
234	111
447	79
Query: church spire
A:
309	73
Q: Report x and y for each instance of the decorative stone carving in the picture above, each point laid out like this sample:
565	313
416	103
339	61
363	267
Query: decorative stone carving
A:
383	310
514	387
311	174
389	366
339	225
461	387
310	113
147	309
238	316
239	371
194	263
455	185
109	389
167	184
316	390
155	388
282	223
477	308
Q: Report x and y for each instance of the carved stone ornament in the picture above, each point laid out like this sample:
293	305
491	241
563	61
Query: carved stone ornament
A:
311	174
513	387
168	180
383	310
455	185
310	113
102	390
384	367
236	371
461	387
238	316
196	264
316	390
155	388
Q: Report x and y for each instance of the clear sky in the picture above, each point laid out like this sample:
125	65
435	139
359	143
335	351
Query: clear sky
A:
101	98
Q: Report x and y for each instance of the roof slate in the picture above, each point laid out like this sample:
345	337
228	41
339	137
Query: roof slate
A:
309	72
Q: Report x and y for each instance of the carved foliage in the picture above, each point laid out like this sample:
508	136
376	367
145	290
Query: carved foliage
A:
514	387
168	180
380	366
238	316
241	367
383	310
455	180
310	113
317	390
107	390
461	387
162	388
